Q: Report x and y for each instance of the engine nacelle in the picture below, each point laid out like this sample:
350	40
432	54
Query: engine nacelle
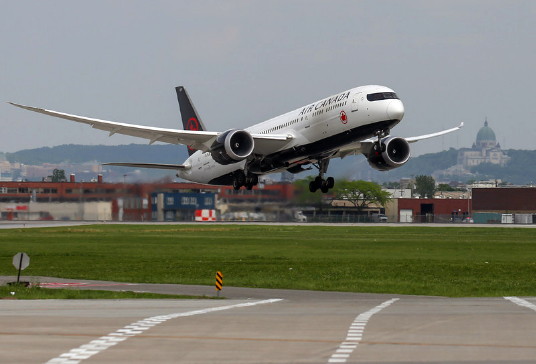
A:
232	146
391	152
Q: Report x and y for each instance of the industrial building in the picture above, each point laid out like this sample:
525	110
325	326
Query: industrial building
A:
98	200
436	210
504	205
171	201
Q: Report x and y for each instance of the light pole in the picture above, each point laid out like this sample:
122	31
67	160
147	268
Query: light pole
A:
468	203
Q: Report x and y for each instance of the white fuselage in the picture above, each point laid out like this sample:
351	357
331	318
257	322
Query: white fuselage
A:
333	119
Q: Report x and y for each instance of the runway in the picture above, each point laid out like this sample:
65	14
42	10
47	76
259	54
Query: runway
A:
266	326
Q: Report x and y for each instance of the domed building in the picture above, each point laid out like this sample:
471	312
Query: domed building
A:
485	138
486	149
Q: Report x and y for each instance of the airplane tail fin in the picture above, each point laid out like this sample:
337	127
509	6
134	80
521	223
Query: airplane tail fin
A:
190	118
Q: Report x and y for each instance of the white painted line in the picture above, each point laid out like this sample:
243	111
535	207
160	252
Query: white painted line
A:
96	346
355	333
521	302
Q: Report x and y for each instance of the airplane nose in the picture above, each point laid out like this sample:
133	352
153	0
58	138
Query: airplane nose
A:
395	110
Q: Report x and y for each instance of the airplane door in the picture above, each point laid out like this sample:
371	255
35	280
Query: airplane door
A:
357	101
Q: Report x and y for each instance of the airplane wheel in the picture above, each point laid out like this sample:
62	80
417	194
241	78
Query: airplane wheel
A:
239	180
249	186
330	182
312	187
255	179
252	180
324	187
236	184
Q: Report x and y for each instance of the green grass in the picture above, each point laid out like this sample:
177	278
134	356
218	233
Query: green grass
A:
406	260
38	293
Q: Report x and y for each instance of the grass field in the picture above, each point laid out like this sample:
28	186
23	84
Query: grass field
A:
406	260
37	293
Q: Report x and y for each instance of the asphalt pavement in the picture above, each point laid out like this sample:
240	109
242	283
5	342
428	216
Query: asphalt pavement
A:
265	326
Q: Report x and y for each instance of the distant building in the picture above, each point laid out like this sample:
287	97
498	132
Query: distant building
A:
486	184
181	206
505	205
98	200
485	149
399	192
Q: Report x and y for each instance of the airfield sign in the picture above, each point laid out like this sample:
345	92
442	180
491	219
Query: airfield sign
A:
21	261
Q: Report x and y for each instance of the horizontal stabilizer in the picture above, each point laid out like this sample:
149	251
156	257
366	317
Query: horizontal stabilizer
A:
149	165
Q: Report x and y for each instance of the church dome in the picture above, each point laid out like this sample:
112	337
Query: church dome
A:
485	134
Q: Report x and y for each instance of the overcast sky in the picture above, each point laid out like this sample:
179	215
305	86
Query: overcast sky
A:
246	61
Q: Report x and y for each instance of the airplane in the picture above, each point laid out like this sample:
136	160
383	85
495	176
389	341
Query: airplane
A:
355	121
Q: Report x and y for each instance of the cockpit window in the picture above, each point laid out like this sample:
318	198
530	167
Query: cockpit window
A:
381	96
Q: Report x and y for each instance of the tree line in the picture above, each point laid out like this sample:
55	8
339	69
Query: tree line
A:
362	194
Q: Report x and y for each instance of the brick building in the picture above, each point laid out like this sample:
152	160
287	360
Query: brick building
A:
99	200
432	209
505	205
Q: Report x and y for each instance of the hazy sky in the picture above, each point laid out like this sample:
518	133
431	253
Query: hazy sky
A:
246	61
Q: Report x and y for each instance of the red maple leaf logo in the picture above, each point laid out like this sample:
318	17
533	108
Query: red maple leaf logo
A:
192	124
343	117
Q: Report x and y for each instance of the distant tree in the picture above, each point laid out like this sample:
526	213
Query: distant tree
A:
361	193
58	175
391	185
303	195
425	186
444	187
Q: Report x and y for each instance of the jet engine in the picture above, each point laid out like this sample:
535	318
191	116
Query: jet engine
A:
232	146
389	153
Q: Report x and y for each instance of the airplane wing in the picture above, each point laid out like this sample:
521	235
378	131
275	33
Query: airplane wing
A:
365	145
196	139
433	135
149	165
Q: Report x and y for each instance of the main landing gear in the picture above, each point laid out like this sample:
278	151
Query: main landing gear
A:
241	179
319	183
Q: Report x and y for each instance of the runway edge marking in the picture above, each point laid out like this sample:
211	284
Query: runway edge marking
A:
355	333
521	302
96	346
